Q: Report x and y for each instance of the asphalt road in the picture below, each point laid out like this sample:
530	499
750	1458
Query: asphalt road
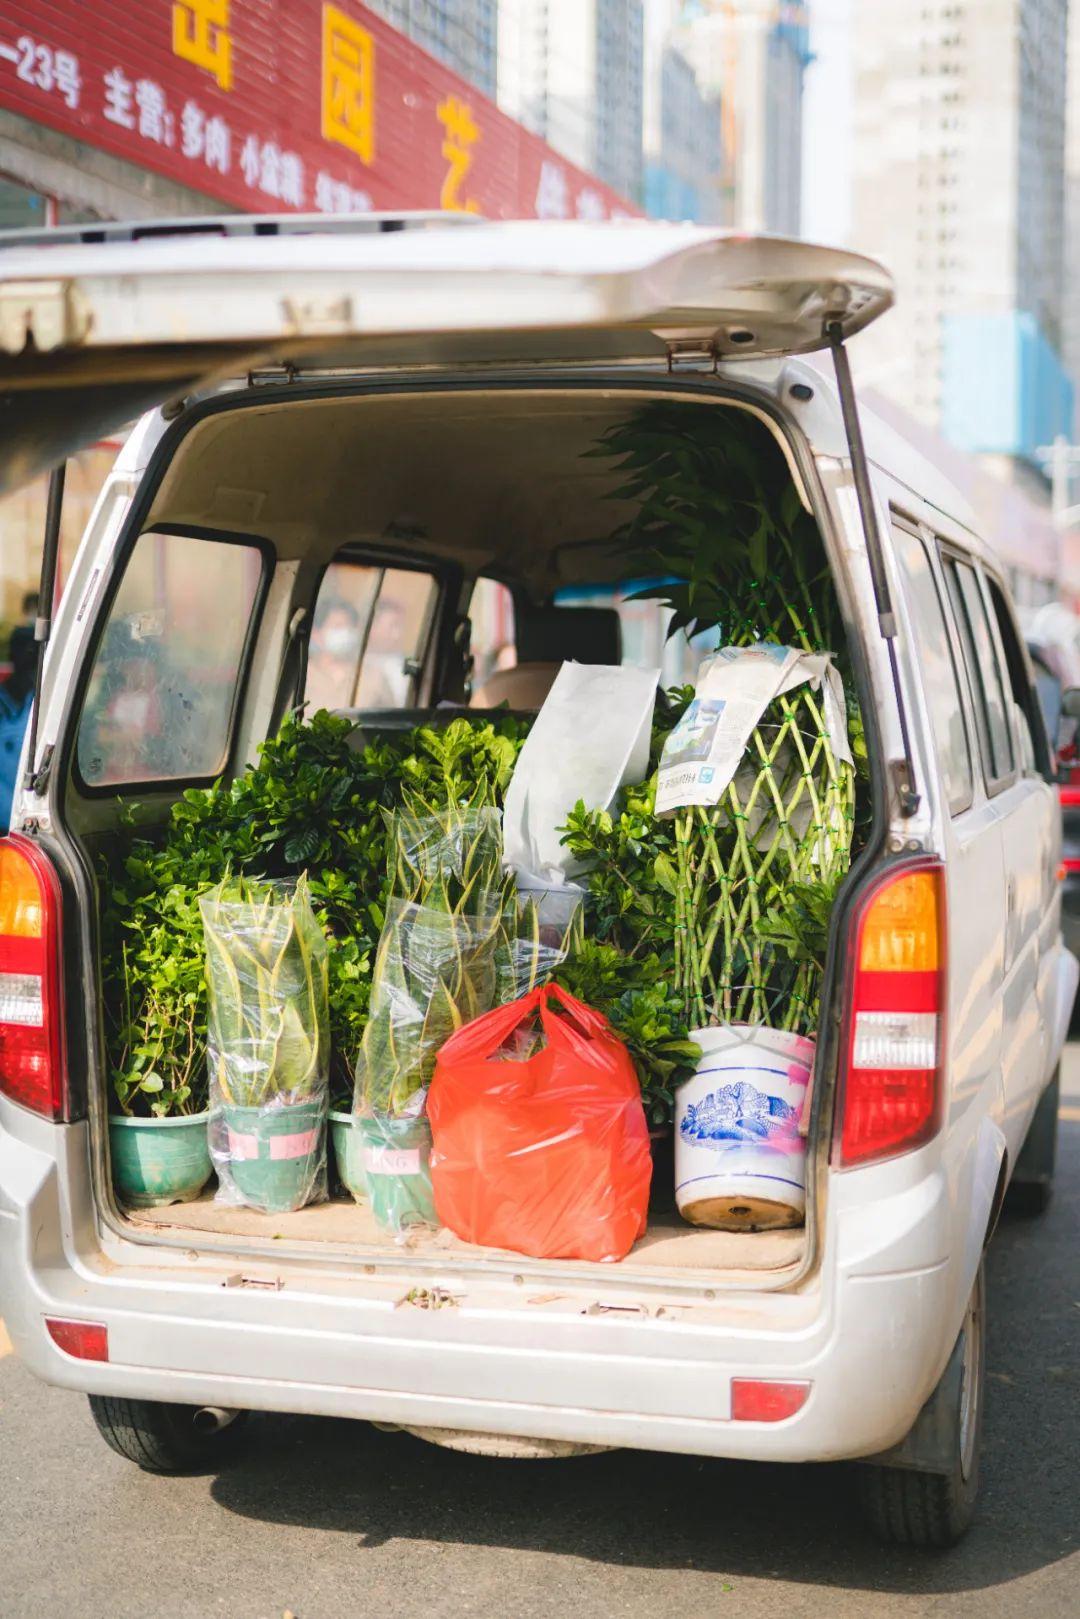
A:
327	1520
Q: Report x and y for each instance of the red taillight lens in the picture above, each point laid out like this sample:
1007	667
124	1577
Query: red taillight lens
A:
759	1399
891	1094
31	999
84	1340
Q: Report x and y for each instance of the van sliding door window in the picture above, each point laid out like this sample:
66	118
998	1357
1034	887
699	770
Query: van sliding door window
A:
162	693
1026	707
987	687
934	654
369	633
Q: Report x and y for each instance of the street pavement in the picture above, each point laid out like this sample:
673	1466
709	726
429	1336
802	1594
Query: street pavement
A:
327	1520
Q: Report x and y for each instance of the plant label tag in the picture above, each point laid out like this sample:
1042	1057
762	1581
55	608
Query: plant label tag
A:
392	1160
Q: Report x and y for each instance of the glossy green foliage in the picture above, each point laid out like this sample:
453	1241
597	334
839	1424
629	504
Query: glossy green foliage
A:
314	803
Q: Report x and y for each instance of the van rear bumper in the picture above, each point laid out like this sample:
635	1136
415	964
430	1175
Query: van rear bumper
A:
871	1338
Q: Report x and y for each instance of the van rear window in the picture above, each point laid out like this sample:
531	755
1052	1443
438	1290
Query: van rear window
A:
369	634
163	687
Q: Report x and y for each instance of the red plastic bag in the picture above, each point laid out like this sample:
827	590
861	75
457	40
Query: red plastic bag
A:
548	1156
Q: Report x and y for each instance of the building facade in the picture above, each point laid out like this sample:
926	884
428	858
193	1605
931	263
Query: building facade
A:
194	110
684	161
461	33
572	72
1070	302
752	55
958	184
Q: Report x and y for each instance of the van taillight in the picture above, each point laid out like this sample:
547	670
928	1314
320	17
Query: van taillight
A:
31	1000
890	1098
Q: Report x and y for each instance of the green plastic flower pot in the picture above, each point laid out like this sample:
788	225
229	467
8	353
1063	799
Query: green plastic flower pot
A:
275	1153
398	1171
159	1161
348	1142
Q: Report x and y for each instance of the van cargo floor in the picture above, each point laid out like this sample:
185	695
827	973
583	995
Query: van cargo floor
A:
667	1245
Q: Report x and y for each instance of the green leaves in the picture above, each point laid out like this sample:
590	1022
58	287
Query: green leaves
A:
636	995
299	849
665	874
314	800
717	510
798	921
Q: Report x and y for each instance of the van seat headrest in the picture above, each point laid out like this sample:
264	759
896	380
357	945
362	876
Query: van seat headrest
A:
568	634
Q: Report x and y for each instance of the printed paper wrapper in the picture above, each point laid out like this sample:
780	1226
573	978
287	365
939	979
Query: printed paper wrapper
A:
734	688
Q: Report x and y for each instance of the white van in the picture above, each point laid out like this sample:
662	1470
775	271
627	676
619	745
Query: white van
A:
411	398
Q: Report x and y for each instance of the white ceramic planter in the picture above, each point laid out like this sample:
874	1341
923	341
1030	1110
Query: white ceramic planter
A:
740	1162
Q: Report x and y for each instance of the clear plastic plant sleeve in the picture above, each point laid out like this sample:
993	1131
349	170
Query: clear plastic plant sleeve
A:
449	858
434	971
268	1044
532	945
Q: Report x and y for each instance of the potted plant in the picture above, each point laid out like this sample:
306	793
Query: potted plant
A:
266	972
436	967
434	970
725	532
158	1129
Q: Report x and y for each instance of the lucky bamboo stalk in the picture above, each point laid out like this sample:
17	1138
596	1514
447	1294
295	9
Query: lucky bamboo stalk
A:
716	508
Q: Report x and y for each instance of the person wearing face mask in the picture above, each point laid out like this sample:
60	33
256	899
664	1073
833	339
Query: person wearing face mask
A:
333	657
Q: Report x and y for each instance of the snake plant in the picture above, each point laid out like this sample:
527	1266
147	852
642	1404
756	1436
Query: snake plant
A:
266	975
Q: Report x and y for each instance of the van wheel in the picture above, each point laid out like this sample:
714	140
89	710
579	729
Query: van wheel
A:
1033	1179
910	1506
163	1438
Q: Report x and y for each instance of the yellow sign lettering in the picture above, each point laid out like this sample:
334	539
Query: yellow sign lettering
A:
462	133
348	84
200	34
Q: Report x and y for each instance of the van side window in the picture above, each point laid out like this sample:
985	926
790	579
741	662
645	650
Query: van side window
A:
164	682
987	685
935	656
491	641
369	634
1028	710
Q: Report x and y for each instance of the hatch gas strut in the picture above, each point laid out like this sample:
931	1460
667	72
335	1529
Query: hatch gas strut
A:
34	780
903	769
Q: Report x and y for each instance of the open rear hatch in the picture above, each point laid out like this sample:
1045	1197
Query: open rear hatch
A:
92	334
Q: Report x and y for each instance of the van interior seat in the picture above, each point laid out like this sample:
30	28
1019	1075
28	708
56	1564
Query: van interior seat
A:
546	637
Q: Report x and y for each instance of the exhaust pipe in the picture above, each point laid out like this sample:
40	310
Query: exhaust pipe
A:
212	1418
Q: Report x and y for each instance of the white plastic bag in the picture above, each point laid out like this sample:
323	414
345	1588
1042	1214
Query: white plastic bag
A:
590	737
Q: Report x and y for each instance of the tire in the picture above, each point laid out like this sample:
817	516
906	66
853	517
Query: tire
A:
912	1507
163	1438
1033	1180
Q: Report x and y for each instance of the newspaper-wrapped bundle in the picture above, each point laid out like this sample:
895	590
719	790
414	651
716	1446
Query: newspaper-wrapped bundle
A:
758	775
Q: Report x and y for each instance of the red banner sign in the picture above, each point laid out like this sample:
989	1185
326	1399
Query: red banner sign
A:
276	105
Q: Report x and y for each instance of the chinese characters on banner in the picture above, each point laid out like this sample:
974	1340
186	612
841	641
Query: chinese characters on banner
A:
312	107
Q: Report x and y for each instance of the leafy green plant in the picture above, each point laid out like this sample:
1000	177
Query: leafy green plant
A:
434	971
159	1052
448	858
796	926
267	983
314	801
636	996
719	520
